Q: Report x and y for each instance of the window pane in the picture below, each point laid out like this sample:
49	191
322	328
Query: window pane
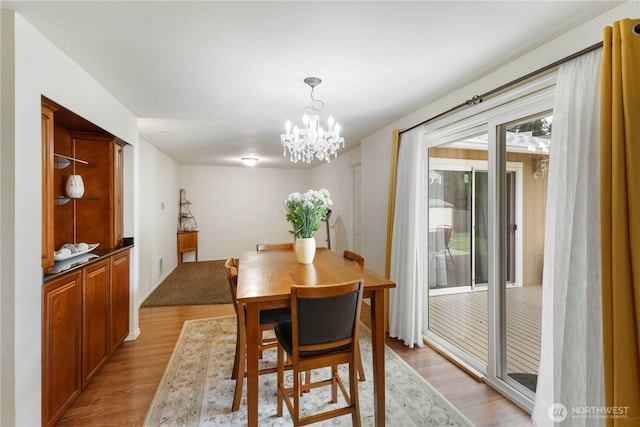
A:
457	310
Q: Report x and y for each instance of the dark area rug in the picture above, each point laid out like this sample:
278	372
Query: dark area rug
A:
192	283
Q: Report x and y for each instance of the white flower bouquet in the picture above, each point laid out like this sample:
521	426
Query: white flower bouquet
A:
306	211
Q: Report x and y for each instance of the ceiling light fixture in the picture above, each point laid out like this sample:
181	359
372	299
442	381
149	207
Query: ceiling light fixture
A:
312	140
249	161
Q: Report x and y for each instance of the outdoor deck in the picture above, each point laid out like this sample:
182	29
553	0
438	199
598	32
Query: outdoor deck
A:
462	319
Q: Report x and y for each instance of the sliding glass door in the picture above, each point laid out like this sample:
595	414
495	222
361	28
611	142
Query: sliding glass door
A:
487	198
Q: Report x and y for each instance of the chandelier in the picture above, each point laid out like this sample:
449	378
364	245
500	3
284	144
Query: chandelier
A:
312	140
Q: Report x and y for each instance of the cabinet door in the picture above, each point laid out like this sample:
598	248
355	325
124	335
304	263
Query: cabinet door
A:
118	157
47	186
119	303
61	338
95	319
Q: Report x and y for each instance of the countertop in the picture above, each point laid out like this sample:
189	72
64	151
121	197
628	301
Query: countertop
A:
60	268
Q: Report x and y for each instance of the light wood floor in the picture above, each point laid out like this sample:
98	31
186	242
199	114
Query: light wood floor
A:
122	392
462	320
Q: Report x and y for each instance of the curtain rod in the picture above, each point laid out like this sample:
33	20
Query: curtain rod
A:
477	99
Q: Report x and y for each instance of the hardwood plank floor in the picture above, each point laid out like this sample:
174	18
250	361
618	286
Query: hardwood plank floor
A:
121	393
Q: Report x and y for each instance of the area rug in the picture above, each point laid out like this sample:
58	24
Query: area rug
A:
192	283
196	389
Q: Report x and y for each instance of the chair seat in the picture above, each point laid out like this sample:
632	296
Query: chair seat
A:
284	332
274	315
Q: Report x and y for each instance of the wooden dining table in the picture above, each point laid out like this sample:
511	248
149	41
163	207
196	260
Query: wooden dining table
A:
264	282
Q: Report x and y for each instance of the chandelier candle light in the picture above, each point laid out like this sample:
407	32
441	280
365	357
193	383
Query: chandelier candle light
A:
312	140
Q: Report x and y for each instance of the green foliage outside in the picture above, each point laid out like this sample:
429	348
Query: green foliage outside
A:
539	127
460	242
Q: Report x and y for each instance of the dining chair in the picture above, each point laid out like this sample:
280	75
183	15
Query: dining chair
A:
273	246
268	320
323	332
357	258
445	232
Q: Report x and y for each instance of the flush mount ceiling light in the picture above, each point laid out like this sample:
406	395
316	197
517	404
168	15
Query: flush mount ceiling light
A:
312	140
249	161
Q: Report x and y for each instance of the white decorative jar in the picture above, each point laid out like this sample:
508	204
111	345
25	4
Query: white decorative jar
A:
75	186
305	249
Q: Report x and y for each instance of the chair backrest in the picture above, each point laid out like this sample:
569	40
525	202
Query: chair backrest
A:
325	318
273	246
232	278
446	230
357	258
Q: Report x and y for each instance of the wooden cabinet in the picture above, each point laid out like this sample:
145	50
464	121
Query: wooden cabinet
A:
61	345
119	300
85	312
85	320
47	188
187	242
95	319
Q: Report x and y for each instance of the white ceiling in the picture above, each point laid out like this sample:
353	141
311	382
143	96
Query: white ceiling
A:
215	81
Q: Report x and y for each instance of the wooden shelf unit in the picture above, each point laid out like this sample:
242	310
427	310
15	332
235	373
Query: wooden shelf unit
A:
85	312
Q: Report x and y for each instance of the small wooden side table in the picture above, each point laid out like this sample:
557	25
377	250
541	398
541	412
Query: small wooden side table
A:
187	242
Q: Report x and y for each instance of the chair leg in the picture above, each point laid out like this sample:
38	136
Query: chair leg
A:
305	383
353	394
305	387
334	384
361	371
280	382
360	367
241	356
297	390
236	362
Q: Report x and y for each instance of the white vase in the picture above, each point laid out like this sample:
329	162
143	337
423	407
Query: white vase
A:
305	249
75	186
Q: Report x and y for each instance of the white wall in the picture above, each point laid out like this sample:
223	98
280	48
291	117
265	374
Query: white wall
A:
157	232
376	148
337	177
40	69
237	207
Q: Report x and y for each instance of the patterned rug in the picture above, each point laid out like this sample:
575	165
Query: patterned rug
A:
196	389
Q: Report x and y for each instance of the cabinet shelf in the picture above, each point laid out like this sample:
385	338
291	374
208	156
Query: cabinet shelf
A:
63	200
62	161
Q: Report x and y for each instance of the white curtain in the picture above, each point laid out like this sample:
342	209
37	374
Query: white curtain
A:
408	245
571	371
